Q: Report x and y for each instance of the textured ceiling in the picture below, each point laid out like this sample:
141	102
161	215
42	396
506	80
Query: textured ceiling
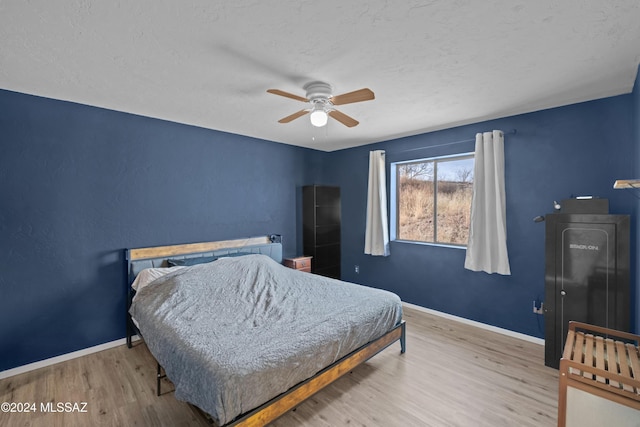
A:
431	64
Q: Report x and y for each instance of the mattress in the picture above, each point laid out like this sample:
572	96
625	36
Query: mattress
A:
234	333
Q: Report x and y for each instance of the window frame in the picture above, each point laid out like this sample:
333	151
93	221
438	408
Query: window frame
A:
395	200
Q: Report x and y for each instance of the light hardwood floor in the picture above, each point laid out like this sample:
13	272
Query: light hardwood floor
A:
452	374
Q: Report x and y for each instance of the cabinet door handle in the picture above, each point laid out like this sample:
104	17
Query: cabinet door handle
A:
563	292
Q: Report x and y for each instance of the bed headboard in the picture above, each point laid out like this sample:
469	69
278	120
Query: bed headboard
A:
141	258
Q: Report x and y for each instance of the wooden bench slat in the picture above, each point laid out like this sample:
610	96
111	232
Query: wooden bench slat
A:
611	363
623	364
600	357
570	343
634	363
588	355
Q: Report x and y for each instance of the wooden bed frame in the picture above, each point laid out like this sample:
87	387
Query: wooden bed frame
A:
288	400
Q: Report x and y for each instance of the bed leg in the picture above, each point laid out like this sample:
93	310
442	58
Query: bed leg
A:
129	334
403	338
159	377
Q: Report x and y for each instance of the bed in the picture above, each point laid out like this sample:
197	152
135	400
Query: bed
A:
244	338
599	377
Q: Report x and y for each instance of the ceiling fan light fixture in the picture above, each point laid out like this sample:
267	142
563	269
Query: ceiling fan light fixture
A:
321	103
318	116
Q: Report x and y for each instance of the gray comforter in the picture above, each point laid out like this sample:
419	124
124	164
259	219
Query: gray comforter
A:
234	333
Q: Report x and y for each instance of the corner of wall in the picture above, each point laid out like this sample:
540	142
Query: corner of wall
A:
636	134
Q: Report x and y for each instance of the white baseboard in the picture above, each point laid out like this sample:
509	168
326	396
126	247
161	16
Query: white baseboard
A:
63	358
513	334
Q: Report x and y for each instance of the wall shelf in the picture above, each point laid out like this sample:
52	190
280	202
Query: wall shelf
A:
622	184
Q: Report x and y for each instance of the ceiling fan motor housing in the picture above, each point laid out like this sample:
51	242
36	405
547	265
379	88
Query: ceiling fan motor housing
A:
318	91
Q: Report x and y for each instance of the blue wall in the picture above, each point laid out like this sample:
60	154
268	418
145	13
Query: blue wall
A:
79	184
575	150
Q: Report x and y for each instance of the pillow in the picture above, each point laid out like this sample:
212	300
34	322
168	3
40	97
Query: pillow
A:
190	261
235	254
148	275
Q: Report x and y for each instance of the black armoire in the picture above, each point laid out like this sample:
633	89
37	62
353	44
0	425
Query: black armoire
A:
586	275
321	228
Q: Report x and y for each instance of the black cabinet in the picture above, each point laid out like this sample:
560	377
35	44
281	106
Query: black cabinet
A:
586	275
321	228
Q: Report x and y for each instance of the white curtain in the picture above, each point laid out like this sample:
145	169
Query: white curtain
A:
376	241
487	246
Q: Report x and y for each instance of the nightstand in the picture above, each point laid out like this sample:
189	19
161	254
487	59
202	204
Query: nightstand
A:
301	263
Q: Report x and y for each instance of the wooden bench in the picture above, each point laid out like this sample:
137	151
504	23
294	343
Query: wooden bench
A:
599	377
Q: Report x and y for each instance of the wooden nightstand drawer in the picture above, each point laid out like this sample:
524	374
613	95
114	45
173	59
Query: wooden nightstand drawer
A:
302	263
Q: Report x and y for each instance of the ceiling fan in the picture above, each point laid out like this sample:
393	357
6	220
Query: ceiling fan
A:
321	103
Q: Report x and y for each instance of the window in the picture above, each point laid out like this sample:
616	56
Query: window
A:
433	199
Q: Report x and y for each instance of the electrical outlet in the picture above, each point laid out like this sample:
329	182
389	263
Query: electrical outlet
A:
356	268
537	310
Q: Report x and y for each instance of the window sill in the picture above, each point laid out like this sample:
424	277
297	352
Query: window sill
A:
441	245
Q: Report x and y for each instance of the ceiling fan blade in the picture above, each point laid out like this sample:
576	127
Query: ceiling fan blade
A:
287	95
355	96
293	116
343	118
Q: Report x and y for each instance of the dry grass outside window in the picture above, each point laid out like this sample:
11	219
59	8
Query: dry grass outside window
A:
415	207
